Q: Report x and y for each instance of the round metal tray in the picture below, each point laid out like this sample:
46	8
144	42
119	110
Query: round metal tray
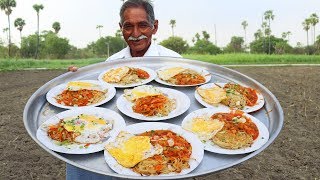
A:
37	110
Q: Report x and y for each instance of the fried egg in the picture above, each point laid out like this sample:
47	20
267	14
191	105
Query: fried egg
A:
141	91
129	150
79	85
166	74
92	129
213	95
115	75
204	127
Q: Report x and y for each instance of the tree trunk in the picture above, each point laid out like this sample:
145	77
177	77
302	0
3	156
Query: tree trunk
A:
269	37
38	38
9	46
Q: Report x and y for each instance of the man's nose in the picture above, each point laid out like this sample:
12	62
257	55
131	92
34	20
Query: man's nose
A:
136	32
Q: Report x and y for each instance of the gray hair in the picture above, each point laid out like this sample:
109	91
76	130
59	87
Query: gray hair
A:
145	4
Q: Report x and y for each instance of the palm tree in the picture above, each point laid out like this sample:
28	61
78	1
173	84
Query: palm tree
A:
99	27
314	19
245	25
6	6
154	40
197	36
268	15
306	26
173	24
37	8
19	23
56	26
206	36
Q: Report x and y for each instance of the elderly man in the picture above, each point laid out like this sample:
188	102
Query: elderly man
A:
138	24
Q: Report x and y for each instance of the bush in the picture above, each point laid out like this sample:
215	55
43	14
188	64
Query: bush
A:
176	44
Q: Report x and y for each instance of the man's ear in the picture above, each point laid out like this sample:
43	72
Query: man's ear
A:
155	27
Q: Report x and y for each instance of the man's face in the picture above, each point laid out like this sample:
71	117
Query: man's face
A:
135	25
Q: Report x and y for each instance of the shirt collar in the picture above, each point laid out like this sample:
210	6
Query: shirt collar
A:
152	51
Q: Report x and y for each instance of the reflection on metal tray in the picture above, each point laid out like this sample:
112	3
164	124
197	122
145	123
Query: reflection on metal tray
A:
37	110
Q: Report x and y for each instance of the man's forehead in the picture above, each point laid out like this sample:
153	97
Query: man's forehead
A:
135	15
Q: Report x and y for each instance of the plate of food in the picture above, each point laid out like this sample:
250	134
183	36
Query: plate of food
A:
226	131
151	103
127	76
231	95
80	131
153	149
76	94
186	75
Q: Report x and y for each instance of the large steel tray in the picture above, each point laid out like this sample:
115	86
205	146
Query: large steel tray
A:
37	110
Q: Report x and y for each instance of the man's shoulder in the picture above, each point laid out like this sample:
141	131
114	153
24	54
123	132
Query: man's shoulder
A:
163	51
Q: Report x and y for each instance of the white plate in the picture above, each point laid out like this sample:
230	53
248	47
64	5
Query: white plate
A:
118	125
182	105
210	146
201	71
195	158
60	88
246	109
151	72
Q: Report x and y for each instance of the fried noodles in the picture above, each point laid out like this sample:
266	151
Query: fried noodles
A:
158	105
81	97
175	157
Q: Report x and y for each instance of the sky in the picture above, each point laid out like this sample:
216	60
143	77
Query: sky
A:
79	18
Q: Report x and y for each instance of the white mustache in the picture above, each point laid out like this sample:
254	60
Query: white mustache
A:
130	38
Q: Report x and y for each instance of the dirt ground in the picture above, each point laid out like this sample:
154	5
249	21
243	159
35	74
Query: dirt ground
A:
295	154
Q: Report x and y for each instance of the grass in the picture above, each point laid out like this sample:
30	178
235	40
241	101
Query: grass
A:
222	59
227	59
18	64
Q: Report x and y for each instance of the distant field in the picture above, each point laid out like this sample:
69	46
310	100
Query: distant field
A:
223	59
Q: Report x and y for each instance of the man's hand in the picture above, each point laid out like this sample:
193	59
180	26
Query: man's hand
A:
72	68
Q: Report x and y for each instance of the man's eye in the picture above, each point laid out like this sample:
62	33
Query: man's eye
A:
143	25
127	27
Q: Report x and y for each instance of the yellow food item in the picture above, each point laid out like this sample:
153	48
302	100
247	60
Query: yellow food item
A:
166	74
204	127
213	95
78	85
115	75
129	150
141	91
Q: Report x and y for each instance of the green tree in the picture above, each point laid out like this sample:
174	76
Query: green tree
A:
19	23
175	43
54	47
29	46
314	20
205	35
172	24
306	26
100	47
37	8
6	6
197	36
245	25
99	28
258	34
257	46
268	15
56	26
236	45
285	35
